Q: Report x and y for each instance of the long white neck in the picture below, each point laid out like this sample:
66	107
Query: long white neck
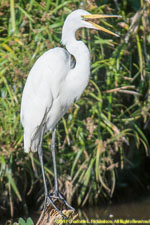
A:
79	50
81	54
76	48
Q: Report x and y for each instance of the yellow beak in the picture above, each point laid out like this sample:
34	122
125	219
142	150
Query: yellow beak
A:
96	16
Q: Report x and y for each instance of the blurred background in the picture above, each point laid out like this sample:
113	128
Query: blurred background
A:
103	140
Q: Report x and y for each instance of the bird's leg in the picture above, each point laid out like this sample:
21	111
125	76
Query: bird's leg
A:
48	199
54	162
40	153
57	194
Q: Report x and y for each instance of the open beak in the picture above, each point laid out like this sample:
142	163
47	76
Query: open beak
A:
96	16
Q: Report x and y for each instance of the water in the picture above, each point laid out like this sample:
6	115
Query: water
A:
133	210
138	210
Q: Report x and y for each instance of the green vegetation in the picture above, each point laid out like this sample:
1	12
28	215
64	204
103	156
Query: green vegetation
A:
104	130
22	222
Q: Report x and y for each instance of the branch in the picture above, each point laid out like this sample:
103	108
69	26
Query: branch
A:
52	217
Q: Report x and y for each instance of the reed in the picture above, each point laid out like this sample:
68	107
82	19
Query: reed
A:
103	130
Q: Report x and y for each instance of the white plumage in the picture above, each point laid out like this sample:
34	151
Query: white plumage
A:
52	86
54	83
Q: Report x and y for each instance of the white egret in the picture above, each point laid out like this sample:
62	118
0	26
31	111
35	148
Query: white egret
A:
54	83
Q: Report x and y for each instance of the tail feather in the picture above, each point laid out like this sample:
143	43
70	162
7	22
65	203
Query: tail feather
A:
30	144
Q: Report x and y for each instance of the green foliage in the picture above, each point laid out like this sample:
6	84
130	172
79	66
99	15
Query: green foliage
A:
29	222
22	222
104	129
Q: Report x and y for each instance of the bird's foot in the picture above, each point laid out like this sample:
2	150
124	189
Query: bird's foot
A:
58	195
49	200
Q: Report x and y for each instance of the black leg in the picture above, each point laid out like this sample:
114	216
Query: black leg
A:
54	162
48	199
40	153
57	194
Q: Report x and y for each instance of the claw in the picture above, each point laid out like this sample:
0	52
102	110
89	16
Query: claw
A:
59	195
48	201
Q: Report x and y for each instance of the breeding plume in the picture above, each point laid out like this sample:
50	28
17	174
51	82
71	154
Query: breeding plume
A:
55	81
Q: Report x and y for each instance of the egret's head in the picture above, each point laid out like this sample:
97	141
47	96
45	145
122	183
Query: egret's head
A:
79	19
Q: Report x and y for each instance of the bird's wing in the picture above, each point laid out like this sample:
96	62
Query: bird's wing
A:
42	88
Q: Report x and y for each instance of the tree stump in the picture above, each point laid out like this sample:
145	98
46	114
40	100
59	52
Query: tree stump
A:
52	217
